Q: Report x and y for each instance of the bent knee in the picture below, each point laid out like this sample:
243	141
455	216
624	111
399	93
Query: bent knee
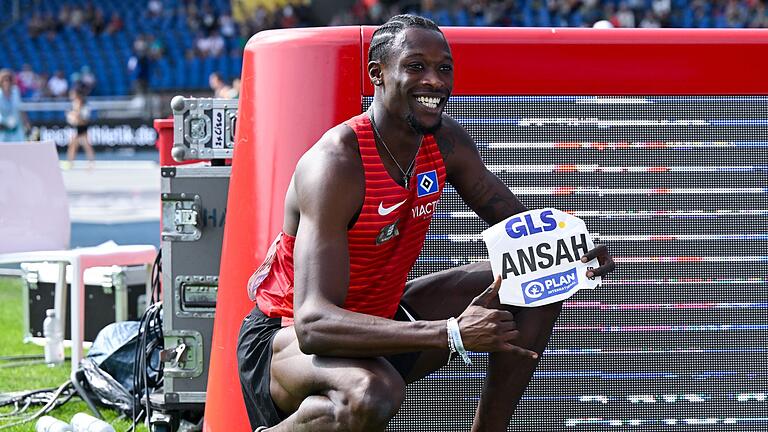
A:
369	401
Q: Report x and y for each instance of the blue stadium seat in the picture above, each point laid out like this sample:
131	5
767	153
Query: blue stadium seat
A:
461	18
443	18
543	17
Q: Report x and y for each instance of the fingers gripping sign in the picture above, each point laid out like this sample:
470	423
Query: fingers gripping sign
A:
603	257
485	328
544	256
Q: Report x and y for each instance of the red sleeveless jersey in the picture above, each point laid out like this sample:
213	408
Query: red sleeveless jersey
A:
384	242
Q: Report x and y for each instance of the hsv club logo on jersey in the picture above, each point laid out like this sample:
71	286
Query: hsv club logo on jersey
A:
426	183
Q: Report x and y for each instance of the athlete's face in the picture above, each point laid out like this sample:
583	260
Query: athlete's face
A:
417	78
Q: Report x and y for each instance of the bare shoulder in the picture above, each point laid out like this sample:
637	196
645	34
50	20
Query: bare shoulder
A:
331	171
334	156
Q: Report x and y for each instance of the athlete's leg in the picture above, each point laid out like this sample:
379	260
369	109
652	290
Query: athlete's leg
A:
448	293
508	374
88	148
331	394
74	143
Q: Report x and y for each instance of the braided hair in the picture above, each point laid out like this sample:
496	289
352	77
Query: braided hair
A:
384	37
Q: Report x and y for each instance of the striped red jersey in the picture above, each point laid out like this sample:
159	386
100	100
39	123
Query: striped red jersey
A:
384	242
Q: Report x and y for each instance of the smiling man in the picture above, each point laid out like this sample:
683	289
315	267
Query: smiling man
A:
338	331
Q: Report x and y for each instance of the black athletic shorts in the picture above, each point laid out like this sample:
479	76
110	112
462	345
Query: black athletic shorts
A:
254	357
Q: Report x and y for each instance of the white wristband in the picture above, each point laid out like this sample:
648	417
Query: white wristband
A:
454	336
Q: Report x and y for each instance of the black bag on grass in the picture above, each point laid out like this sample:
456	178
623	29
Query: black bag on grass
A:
110	371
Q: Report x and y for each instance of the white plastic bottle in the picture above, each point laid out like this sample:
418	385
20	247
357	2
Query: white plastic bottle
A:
82	422
54	339
51	424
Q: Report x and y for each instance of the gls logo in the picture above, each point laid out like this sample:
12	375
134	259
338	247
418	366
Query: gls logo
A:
520	227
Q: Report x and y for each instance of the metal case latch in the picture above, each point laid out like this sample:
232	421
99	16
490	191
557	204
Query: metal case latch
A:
184	356
181	217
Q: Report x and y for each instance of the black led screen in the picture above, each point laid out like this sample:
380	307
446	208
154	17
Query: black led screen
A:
677	337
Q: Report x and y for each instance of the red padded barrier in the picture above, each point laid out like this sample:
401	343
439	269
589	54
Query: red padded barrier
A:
298	83
295	85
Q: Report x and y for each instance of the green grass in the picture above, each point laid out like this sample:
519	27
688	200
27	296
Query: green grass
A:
35	376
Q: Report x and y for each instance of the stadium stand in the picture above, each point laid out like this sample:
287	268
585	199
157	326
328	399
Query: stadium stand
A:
60	35
174	45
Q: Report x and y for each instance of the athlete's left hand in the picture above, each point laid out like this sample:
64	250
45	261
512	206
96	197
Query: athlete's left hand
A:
603	257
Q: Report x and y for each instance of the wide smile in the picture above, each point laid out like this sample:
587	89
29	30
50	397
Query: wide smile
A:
430	102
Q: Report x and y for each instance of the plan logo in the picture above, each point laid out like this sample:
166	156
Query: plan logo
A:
549	286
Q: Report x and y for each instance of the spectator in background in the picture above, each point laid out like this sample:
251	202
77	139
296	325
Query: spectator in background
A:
28	82
210	46
78	117
115	23
236	88
227	26
99	23
76	18
649	20
83	82
208	19
625	16
155	47
662	9
36	25
50	23
89	13
201	44
192	17
57	85
63	16
139	65
77	83
155	8
759	15
13	122
88	80
242	37
42	85
220	87
288	19
216	44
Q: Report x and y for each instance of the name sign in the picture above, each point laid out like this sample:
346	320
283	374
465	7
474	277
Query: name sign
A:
538	255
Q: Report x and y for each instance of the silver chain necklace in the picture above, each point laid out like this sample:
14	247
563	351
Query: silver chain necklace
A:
406	173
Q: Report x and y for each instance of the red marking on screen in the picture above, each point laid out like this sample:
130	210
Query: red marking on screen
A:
689	259
565	168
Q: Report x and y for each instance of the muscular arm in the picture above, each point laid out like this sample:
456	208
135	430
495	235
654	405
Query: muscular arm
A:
483	192
329	189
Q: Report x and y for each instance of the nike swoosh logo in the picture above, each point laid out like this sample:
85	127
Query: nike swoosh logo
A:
387	210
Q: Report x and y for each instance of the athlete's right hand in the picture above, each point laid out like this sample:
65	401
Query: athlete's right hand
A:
486	328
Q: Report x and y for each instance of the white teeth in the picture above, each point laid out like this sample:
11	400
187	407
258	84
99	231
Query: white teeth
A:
431	102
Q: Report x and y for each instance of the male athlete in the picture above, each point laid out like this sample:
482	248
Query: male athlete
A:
337	331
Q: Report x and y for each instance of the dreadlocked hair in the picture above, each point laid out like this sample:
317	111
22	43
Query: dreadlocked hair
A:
384	36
